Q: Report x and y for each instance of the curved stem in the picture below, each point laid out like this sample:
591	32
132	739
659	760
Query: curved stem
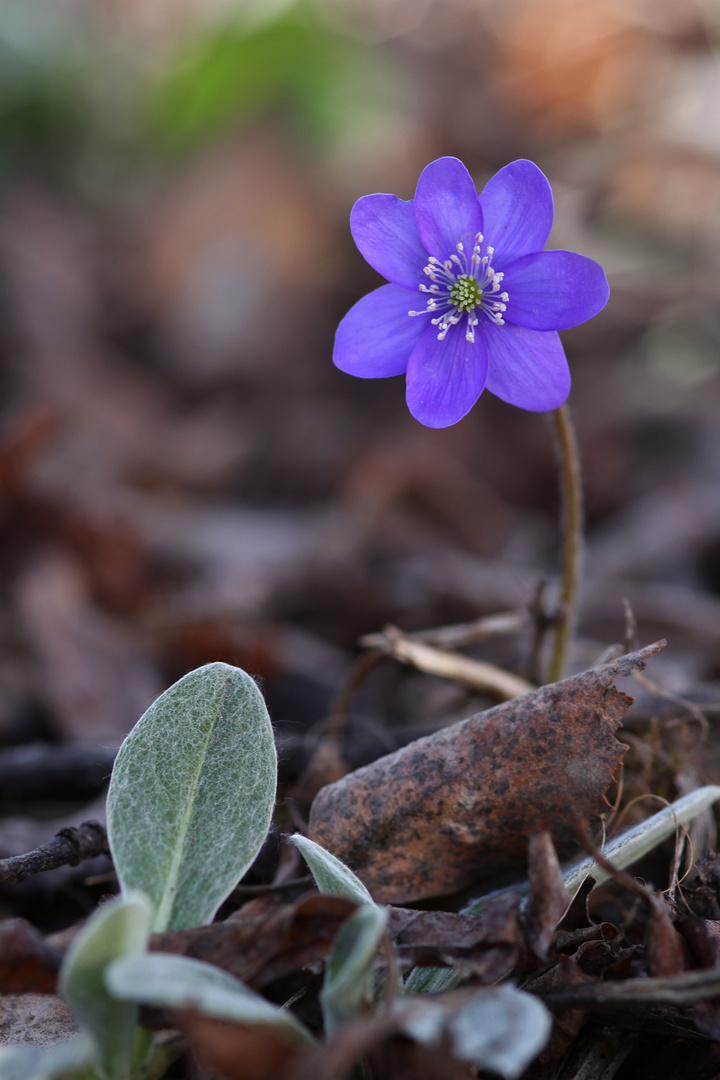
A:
572	530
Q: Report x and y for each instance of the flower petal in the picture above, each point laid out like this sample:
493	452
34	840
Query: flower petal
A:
445	378
447	207
385	230
518	210
554	290
526	368
376	337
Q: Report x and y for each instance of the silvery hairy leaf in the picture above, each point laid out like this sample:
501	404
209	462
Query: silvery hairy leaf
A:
167	981
192	794
119	928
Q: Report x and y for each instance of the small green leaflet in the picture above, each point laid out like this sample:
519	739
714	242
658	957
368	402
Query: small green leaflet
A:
70	1060
178	982
496	1027
332	876
119	928
349	965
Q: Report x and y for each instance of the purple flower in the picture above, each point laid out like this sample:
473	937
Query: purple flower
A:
474	301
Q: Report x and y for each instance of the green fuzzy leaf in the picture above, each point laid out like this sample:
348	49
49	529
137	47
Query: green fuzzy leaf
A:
120	928
497	1028
192	794
177	982
349	965
332	876
70	1060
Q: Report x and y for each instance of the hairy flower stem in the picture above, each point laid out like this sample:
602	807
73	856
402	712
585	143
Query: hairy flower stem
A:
572	530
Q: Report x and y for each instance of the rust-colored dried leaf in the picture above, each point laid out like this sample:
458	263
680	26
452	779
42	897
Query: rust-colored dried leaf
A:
457	806
27	963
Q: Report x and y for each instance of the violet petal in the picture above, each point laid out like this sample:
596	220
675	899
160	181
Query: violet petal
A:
445	378
518	210
526	368
376	337
554	290
386	233
447	208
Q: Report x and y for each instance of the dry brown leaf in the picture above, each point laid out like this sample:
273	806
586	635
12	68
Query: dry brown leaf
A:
703	940
260	945
603	959
265	946
400	1059
549	899
485	946
664	944
458	805
239	1051
27	963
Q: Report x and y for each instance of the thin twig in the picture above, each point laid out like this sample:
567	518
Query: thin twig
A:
572	529
675	1023
682	989
457	634
541	624
68	847
450	665
631	638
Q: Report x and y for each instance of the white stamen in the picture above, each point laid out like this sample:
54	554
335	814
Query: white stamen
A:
463	288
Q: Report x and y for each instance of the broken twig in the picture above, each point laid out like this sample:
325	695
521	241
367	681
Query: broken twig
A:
449	665
68	847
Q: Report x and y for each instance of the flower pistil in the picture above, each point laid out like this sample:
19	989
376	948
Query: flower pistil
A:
461	288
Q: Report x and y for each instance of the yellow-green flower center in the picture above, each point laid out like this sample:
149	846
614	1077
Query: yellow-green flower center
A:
475	291
466	294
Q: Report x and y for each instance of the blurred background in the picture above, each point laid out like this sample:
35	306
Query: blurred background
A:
185	477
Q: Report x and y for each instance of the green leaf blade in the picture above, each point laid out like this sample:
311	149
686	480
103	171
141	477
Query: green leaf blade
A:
69	1060
497	1027
119	928
332	877
192	794
349	965
177	982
